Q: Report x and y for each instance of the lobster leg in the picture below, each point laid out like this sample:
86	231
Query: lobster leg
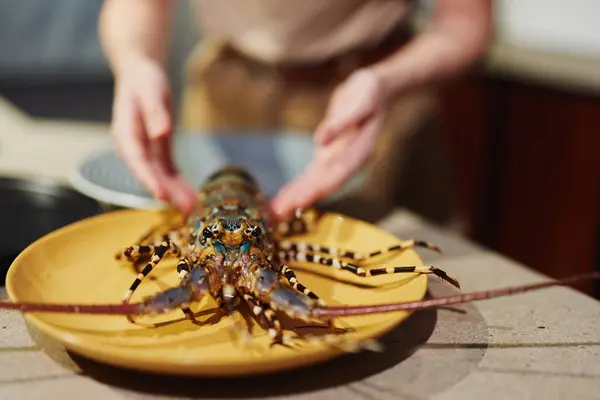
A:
290	276
183	269
290	228
297	225
267	316
295	305
354	256
260	312
136	253
365	272
161	250
193	287
143	251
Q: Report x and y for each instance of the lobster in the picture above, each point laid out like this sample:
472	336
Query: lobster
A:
234	251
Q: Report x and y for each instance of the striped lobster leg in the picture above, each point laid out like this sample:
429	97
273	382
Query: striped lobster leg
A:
267	316
143	250
302	222
297	246
292	279
167	246
334	262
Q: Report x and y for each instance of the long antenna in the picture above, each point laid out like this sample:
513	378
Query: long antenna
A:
341	311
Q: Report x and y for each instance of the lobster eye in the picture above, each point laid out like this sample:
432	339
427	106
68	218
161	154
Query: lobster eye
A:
207	233
256	231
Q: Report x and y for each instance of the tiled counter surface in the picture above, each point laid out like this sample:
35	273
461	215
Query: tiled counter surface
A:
540	345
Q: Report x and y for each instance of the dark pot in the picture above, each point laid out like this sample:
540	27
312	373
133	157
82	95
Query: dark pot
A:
32	208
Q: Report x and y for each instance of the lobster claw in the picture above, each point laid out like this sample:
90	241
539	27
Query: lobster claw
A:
166	301
292	303
198	283
268	289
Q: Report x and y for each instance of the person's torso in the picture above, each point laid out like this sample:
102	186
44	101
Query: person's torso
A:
297	31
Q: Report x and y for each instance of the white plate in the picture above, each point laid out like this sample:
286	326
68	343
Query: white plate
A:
273	160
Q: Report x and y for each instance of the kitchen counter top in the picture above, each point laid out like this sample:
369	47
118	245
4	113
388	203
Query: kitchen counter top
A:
539	345
25	141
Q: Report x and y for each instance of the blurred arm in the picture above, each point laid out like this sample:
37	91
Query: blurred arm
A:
135	28
456	38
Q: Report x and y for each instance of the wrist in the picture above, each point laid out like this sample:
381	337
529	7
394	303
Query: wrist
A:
387	79
129	62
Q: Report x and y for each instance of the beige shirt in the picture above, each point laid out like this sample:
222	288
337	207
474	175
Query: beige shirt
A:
298	30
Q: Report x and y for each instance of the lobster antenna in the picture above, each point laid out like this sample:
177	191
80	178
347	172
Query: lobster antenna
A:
108	309
331	311
342	311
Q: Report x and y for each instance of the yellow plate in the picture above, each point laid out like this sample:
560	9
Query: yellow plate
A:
75	264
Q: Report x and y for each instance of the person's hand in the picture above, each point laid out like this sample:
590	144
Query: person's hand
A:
142	128
345	140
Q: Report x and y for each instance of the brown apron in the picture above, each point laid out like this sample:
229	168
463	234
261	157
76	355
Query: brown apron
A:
225	89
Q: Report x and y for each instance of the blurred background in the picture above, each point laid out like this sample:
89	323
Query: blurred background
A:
519	150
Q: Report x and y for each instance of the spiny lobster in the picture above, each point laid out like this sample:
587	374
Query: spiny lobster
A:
233	250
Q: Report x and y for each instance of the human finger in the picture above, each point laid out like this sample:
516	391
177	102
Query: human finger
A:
285	202
351	104
340	121
155	104
308	186
306	190
356	154
180	193
156	107
329	173
131	142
